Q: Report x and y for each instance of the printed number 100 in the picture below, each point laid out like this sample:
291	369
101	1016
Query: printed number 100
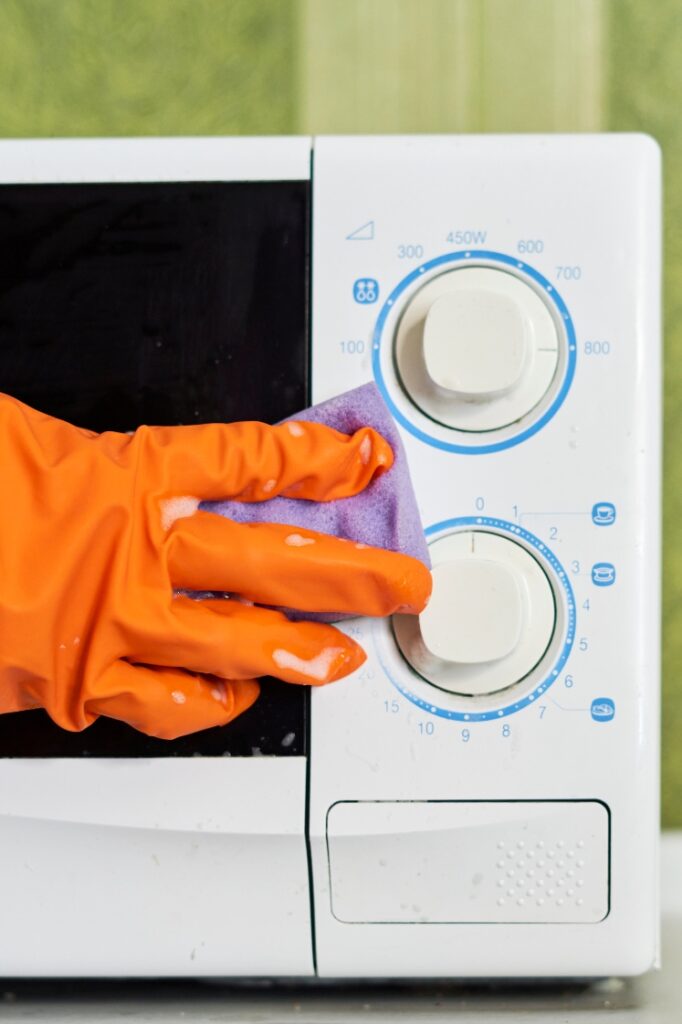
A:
352	348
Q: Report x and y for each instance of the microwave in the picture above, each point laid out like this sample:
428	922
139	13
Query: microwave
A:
480	798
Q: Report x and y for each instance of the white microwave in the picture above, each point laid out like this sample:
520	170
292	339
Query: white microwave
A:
481	797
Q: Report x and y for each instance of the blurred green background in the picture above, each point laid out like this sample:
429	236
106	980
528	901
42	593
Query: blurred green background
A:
155	67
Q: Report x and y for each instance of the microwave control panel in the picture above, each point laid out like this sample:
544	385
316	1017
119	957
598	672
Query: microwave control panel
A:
493	765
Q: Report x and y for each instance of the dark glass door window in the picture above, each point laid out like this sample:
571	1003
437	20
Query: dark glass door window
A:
168	303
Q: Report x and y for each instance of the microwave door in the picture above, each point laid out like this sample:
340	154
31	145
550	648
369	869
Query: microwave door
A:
156	302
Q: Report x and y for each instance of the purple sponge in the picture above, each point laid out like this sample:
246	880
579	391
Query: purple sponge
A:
384	515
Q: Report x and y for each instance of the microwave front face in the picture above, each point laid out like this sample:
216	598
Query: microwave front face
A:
481	797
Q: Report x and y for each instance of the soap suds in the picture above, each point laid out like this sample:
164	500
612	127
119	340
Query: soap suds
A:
315	668
295	540
177	508
365	449
295	429
178	696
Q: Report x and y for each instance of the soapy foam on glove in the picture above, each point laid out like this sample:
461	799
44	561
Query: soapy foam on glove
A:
384	515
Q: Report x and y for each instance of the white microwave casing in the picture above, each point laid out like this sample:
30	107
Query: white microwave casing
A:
421	834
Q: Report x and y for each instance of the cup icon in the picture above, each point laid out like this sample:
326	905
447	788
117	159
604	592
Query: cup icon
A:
603	513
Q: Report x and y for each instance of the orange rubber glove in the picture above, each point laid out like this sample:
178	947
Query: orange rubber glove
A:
98	530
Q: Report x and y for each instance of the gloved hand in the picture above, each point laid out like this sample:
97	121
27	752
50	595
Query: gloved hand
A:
97	532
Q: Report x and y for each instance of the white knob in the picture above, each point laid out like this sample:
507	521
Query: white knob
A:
490	620
477	348
475	613
475	343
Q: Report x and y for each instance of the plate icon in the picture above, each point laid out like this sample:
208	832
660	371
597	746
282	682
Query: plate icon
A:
603	709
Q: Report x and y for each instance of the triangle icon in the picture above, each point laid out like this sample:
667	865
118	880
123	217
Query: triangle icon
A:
365	233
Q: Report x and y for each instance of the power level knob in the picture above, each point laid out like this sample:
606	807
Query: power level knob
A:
477	348
490	620
476	344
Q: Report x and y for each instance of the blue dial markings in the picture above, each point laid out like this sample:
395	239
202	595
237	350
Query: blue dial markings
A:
560	574
547	288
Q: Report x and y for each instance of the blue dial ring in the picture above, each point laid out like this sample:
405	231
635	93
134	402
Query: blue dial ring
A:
464	257
545	555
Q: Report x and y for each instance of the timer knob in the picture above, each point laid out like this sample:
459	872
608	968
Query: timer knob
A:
477	348
476	612
490	620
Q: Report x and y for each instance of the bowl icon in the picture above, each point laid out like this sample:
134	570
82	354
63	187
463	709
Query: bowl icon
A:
603	574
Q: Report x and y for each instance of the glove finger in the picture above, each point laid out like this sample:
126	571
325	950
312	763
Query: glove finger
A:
287	566
236	641
254	461
169	702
